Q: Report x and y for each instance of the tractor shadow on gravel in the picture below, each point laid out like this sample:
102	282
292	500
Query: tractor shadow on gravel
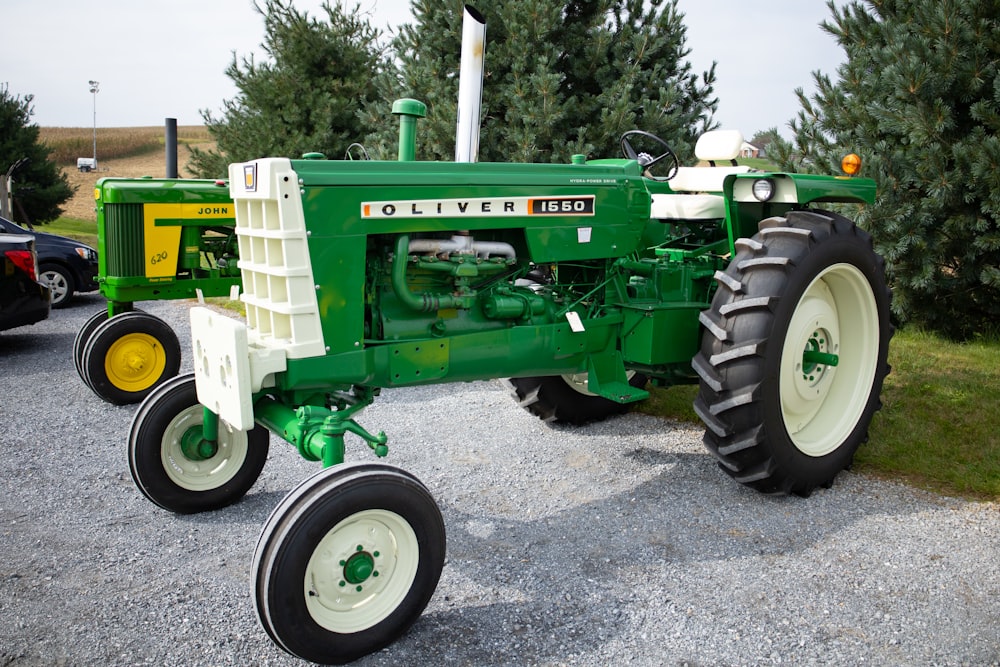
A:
554	568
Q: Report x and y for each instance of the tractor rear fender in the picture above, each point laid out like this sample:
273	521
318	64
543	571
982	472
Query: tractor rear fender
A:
744	209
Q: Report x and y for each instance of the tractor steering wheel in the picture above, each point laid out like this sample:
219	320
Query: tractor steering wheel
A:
645	159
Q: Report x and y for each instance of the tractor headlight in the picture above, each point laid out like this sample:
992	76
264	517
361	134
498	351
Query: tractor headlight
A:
763	189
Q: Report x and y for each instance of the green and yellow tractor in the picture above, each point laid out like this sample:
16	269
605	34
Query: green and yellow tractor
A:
157	239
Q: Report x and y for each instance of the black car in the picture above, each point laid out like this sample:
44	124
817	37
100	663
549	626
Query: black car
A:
23	300
65	265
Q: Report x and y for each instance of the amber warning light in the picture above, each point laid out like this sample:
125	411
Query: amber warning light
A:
851	164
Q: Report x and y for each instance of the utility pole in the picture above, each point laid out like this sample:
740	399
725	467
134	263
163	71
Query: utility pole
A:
7	190
94	89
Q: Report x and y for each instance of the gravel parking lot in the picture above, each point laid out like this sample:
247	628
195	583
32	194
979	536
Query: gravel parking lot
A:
618	543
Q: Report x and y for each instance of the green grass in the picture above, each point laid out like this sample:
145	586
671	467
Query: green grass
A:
673	403
227	303
84	231
939	428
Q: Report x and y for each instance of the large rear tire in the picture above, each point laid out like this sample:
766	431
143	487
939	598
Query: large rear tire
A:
793	353
565	399
347	562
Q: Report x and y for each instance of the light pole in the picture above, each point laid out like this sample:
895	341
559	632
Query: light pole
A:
94	88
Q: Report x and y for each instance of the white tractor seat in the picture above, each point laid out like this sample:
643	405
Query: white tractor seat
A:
702	179
692	183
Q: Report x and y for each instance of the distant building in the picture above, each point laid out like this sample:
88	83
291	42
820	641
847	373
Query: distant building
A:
749	150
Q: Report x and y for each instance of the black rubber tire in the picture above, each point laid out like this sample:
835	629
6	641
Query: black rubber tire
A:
155	342
60	282
188	487
746	393
553	399
82	337
319	516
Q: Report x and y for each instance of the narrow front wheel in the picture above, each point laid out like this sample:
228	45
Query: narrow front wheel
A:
175	467
126	356
347	562
83	337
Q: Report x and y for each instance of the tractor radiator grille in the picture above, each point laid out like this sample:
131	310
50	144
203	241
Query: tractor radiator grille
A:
124	240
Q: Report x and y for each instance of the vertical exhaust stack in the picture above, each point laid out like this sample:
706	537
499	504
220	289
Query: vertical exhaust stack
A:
170	141
470	86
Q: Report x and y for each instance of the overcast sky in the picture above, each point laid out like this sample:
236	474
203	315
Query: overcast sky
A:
158	59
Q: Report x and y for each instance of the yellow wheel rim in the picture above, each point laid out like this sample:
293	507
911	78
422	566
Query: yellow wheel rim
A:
135	362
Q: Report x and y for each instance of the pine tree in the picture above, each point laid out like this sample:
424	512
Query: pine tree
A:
562	77
919	100
305	96
40	187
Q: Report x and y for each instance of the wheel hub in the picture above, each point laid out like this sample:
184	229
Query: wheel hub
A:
134	362
346	576
817	357
359	567
56	285
195	447
195	464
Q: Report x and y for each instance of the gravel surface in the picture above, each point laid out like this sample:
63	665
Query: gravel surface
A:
619	543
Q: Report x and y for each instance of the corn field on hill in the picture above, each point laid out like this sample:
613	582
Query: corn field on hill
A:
126	152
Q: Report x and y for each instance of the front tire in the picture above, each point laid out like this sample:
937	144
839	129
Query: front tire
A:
347	562
129	355
168	471
794	353
83	337
565	399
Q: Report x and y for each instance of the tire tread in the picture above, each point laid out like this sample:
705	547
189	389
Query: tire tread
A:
736	338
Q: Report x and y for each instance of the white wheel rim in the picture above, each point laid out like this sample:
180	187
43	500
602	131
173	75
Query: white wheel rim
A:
580	382
206	474
345	601
57	285
822	404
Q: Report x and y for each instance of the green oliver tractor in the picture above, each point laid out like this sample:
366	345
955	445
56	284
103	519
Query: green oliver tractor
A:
157	239
580	283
